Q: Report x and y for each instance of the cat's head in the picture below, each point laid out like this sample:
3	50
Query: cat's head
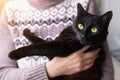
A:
91	29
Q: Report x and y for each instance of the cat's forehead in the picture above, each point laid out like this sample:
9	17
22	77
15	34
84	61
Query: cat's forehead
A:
92	21
92	18
88	19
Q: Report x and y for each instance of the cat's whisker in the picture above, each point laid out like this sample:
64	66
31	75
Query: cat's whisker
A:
69	39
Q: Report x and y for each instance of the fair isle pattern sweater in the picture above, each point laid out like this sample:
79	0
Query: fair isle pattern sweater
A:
47	24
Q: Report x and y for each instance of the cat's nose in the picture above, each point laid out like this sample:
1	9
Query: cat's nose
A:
82	36
83	41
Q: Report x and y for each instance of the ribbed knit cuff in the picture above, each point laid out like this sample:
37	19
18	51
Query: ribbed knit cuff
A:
38	73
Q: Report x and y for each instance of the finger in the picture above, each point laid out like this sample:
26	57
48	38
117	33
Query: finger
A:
82	67
80	51
96	51
91	54
89	61
90	57
82	64
84	48
88	66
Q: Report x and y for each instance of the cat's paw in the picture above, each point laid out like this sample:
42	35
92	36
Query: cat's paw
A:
26	31
15	55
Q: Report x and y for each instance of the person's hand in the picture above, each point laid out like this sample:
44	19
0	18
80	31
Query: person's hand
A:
76	62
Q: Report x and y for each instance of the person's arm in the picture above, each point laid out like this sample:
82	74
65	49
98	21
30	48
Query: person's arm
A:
8	67
108	70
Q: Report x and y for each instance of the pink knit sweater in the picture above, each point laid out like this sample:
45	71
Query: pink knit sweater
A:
47	23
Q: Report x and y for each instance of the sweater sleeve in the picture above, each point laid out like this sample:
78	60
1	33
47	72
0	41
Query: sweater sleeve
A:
8	67
108	70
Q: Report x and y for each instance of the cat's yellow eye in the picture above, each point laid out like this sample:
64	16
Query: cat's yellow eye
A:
80	26
94	30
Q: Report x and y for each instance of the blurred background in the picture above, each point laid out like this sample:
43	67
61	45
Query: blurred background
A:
114	29
2	2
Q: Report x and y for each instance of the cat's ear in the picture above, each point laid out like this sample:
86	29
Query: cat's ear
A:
81	11
107	17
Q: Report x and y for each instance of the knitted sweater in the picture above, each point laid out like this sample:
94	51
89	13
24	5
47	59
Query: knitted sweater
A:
45	23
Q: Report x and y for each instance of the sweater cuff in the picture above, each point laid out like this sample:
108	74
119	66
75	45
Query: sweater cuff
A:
38	73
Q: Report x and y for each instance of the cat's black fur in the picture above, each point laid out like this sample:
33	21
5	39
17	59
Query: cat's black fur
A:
70	40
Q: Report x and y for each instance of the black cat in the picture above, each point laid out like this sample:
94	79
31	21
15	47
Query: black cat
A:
87	29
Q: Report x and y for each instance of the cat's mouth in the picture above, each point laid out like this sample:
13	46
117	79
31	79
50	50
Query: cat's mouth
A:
82	41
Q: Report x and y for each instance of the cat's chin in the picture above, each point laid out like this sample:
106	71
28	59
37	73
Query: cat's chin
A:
82	41
95	45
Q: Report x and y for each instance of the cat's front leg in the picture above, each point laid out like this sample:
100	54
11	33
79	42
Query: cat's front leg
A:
21	52
24	52
45	49
32	37
16	54
53	48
